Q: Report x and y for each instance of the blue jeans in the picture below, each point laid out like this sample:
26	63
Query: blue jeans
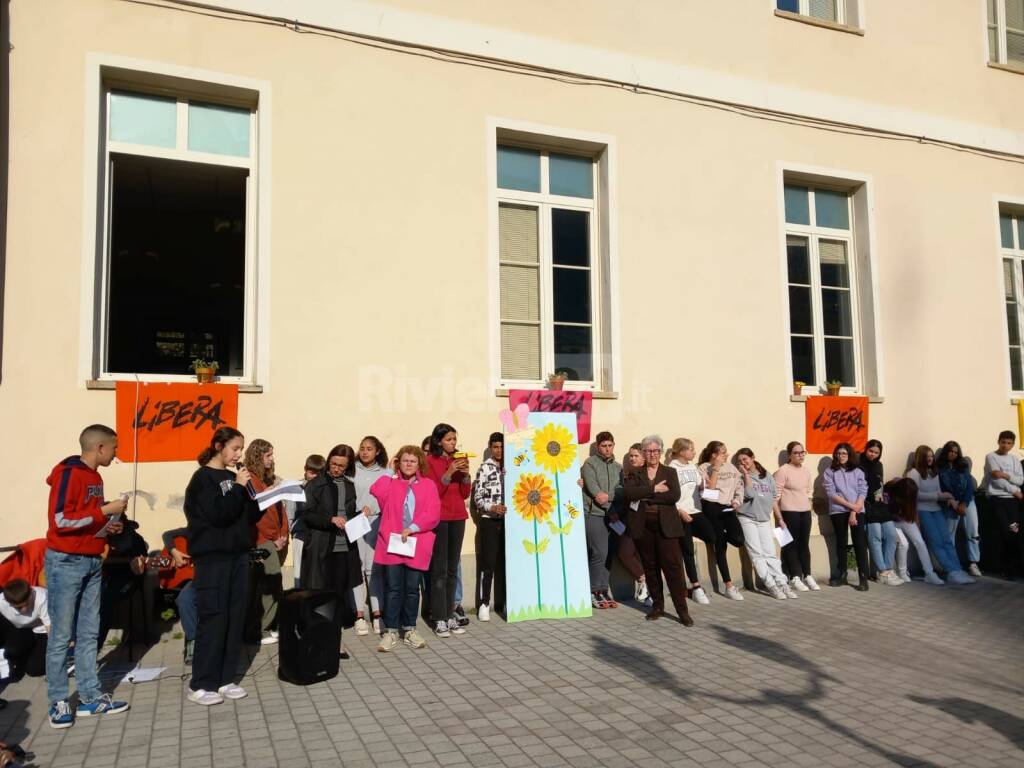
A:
936	533
401	597
882	544
73	598
970	519
187	611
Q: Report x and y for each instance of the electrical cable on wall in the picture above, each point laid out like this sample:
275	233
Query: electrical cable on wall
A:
572	78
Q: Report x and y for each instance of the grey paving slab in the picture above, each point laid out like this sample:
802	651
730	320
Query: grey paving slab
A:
911	676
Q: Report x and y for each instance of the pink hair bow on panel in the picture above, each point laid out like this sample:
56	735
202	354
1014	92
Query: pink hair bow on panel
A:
517	429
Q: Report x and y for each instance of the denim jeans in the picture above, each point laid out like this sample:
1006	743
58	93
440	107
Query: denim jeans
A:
401	597
187	611
970	519
936	533
73	597
882	544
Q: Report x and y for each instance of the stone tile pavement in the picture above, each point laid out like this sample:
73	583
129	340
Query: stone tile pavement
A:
912	675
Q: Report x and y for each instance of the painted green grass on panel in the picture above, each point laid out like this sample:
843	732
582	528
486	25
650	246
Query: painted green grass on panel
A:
551	612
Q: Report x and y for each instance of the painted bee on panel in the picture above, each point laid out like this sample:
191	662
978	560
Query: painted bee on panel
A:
573	512
519	459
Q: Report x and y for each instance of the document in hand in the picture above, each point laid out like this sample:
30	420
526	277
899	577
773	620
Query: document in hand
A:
618	526
783	536
102	532
357	527
398	547
286	490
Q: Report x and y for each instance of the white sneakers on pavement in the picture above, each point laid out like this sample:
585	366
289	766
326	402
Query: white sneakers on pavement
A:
362	628
811	584
206	698
700	596
798	584
483	613
733	593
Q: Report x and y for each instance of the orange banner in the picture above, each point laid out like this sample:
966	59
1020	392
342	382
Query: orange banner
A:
173	422
833	420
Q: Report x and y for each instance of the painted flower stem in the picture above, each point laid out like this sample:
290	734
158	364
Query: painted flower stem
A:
561	546
536	560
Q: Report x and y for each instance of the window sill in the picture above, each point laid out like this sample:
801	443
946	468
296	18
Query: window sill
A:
109	384
819	22
1017	69
804	398
597	394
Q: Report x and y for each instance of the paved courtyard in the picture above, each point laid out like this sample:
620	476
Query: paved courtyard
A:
912	675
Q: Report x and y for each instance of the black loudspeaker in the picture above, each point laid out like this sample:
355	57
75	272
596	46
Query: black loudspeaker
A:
309	640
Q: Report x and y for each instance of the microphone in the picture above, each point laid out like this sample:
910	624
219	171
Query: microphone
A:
248	486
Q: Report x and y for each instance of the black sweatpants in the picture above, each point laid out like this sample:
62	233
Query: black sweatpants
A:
727	530
491	563
796	556
841	525
24	649
1007	512
221	587
701	528
444	564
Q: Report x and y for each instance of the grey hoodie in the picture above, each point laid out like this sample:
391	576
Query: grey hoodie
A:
759	498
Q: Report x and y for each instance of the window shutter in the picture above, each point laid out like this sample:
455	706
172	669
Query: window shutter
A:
823	9
519	266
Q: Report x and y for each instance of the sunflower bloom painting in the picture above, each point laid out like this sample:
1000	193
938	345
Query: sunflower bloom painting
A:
546	554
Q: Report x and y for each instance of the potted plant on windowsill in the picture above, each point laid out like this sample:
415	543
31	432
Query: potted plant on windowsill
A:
206	370
556	380
798	388
833	386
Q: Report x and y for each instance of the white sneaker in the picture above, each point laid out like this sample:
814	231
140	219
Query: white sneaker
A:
905	576
777	592
788	591
892	579
642	593
376	625
700	596
483	613
441	629
206	698
974	570
269	639
232	691
933	578
959	577
811	584
362	628
388	642
733	593
798	585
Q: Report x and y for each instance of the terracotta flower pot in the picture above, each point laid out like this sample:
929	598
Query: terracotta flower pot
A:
833	391
205	375
798	389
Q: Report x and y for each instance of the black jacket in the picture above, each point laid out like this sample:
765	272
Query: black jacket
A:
636	487
320	506
876	510
221	516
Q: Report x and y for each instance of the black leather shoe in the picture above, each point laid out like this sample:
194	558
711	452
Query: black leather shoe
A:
654	615
685	620
839	581
862	587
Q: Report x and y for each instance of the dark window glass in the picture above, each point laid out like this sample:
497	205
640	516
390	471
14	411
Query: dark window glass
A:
1016	380
572	295
574	352
177	266
793	6
797	257
836	314
839	361
570	237
802	348
800	310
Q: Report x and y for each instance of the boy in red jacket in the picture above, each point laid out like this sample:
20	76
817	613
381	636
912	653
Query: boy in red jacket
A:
74	552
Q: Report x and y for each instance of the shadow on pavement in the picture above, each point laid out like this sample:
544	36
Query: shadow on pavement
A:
1011	727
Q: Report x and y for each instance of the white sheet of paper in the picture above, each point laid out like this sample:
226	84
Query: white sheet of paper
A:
102	532
357	527
783	536
398	547
286	490
634	505
618	526
710	494
143	674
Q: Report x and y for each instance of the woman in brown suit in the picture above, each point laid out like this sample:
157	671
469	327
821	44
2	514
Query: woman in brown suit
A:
651	493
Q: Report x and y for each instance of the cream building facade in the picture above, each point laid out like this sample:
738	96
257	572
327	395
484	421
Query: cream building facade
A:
382	215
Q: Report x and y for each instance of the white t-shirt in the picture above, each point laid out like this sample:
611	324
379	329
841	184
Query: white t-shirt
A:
38	620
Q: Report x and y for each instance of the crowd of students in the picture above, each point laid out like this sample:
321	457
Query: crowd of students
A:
646	514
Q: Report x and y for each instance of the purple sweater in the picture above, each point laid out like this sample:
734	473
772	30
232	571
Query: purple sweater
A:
850	485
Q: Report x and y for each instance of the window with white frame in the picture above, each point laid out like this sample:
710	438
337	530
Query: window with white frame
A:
1011	241
549	265
822	281
177	273
838	11
1006	31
